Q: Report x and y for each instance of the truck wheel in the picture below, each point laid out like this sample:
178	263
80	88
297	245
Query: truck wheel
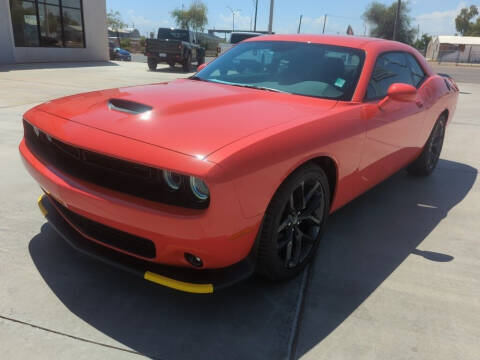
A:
171	63
152	64
187	63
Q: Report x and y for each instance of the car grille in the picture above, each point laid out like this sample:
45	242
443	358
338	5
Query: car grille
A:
112	173
107	235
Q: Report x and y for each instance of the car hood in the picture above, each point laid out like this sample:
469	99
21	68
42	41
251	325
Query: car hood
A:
187	116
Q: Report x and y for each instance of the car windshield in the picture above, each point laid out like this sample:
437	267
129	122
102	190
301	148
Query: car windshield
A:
172	34
317	70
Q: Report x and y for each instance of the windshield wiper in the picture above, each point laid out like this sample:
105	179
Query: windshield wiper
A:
247	86
260	88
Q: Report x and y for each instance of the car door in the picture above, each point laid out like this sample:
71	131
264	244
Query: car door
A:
392	130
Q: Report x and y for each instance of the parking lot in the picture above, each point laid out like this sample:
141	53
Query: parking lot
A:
397	275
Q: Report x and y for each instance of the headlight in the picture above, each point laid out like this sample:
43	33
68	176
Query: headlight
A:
173	180
199	188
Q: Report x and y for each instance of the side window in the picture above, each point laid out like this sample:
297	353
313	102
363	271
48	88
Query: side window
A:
417	72
390	68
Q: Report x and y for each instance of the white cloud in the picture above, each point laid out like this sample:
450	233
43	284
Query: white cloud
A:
143	24
439	22
242	22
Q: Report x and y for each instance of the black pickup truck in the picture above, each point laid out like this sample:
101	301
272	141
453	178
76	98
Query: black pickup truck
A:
174	46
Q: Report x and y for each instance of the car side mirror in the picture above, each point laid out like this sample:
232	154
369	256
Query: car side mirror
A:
399	92
201	67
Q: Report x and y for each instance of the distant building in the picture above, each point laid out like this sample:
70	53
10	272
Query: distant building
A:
462	49
127	33
54	30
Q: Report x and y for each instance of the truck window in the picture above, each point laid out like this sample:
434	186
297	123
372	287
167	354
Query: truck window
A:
173	34
236	38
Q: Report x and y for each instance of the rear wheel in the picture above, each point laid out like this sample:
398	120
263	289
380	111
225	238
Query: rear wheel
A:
200	57
187	63
294	224
428	159
152	64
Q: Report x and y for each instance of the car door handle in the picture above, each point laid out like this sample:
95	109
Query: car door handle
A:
419	104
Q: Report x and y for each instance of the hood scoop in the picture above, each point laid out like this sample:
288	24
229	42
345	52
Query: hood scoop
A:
129	107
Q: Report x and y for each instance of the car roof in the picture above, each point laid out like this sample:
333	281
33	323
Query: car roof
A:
359	42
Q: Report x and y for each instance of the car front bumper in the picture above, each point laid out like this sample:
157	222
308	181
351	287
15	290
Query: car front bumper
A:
219	235
178	278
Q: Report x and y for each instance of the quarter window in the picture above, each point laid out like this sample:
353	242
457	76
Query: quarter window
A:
417	72
47	23
390	68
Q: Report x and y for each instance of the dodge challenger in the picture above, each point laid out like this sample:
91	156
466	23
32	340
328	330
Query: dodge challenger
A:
197	183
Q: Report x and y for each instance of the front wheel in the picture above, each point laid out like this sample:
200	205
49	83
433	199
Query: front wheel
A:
428	159
294	223
152	64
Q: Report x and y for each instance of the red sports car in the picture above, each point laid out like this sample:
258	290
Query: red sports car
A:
197	183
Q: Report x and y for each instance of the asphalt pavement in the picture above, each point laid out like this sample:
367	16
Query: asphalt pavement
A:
397	275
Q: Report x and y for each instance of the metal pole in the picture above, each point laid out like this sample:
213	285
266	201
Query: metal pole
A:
233	16
397	19
299	24
255	22
324	23
270	22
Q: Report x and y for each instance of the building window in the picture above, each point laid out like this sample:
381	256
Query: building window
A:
48	23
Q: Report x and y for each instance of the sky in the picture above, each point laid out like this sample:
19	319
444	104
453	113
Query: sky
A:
435	17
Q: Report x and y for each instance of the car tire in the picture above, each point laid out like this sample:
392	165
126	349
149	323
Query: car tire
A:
187	63
428	159
293	224
171	63
152	64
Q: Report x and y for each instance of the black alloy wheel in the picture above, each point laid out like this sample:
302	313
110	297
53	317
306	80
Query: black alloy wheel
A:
428	159
294	223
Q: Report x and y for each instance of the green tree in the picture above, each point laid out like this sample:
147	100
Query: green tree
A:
381	18
464	23
195	17
422	42
115	21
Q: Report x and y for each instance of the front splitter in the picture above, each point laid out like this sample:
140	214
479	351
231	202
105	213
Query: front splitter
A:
183	279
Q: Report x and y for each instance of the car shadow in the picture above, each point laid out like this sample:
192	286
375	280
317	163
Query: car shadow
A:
369	238
251	320
365	242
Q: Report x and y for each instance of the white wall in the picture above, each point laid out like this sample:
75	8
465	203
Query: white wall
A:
6	37
96	39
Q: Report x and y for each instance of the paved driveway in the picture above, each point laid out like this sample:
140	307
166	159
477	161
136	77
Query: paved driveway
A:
397	275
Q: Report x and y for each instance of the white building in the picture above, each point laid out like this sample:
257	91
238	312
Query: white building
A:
461	49
53	31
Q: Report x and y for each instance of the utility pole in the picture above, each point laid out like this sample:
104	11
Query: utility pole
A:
255	21
270	22
324	23
397	19
299	24
234	11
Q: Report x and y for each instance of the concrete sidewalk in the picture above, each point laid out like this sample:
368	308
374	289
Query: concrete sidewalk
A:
397	275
